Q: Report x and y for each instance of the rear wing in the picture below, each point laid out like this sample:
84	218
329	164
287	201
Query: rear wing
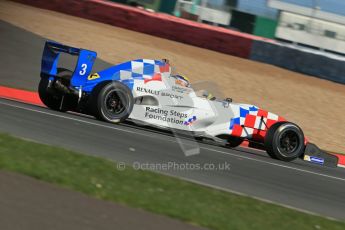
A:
50	59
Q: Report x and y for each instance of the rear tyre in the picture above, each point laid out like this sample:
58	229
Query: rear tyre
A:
284	141
112	102
50	96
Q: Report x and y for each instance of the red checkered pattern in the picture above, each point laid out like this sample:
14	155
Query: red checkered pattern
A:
255	125
138	68
237	131
156	77
265	120
250	120
165	68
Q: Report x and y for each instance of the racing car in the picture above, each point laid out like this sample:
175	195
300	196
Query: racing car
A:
149	92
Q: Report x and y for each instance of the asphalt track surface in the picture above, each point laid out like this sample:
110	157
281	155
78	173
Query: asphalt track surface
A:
297	184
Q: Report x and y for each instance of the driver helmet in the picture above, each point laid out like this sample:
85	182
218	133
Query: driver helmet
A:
182	80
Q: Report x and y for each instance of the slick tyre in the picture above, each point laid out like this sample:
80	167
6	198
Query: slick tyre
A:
112	102
50	96
284	141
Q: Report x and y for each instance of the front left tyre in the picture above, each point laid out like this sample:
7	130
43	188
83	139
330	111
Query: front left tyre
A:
284	141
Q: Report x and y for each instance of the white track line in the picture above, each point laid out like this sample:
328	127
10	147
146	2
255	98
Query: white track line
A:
206	148
246	195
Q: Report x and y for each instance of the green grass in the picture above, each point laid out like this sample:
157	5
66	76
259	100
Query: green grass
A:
151	191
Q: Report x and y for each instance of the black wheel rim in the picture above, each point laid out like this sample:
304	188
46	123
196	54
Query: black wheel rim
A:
115	103
289	142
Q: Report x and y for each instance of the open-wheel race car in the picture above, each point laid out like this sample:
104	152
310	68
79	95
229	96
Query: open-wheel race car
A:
147	91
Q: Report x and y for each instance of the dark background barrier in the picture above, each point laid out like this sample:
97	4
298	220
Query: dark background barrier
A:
157	24
327	67
201	35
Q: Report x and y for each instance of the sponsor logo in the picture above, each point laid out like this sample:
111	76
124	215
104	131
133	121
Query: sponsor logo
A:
150	91
170	116
157	92
156	111
306	158
313	159
178	114
317	160
190	121
93	76
172	96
